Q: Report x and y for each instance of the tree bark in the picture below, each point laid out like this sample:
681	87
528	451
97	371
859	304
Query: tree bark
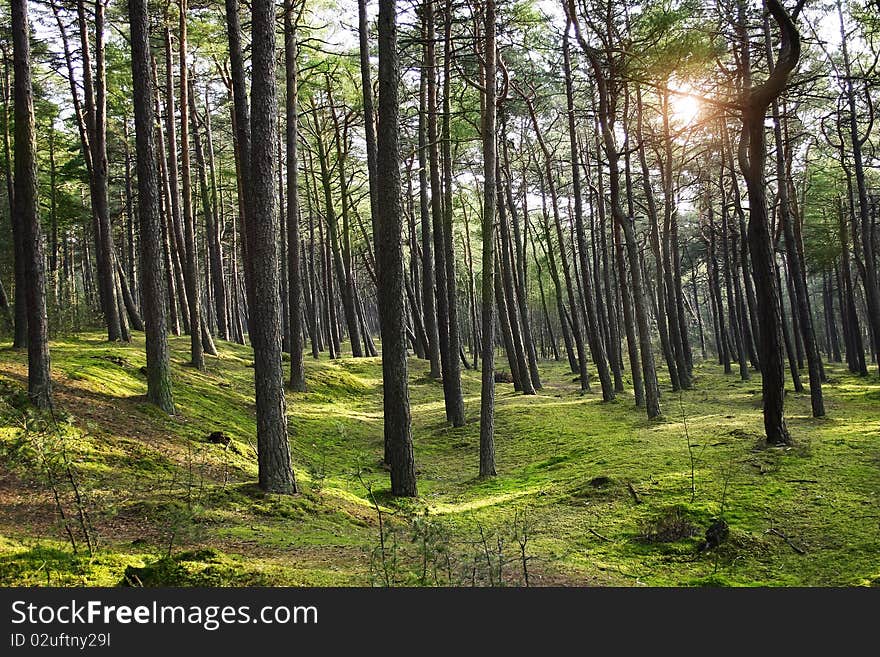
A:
392	310
152	267
294	266
487	385
273	448
756	100
25	194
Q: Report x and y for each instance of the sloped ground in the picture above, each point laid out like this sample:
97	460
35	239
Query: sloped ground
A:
588	493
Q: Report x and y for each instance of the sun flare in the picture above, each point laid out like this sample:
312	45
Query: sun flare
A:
685	108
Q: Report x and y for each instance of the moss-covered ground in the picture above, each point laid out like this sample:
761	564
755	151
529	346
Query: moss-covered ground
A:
587	493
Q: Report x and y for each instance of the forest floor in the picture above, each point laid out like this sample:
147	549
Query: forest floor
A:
587	493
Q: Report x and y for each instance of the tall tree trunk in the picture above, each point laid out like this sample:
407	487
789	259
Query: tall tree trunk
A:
95	86
744	256
191	275
660	280
868	270
214	268
273	448
25	194
429	306
855	349
452	373
294	267
487	389
549	252
173	173
756	100
241	129
131	268
389	251
573	306
597	349
20	335
507	312
152	254
678	333
218	280
342	255
606	123
735	323
609	305
369	112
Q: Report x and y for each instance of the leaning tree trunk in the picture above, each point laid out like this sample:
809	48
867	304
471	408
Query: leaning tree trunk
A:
756	100
787	217
597	348
606	123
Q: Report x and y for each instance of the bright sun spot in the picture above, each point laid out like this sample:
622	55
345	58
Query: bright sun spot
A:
684	108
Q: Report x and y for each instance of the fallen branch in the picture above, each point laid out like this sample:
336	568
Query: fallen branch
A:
635	495
598	535
785	538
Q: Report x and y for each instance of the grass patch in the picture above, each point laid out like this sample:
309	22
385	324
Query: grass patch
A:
612	497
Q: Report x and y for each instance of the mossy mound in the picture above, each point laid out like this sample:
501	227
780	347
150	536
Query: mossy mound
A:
204	567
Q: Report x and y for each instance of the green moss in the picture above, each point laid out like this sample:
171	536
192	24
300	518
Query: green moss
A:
567	459
204	567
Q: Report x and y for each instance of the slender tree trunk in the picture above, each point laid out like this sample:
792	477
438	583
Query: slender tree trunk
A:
735	324
191	267
678	333
342	255
452	373
95	86
173	173
369	112
744	269
868	270
653	219
573	306
614	349
557	285
487	390
20	336
597	349
507	308
218	280
606	122
294	267
241	129
429	307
